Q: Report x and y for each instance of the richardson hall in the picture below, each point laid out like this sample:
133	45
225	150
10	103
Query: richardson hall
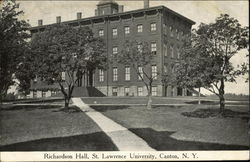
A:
163	29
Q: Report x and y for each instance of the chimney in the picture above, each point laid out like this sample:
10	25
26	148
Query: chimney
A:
40	22
120	9
78	15
58	19
146	3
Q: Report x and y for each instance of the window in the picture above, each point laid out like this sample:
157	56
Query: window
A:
74	55
177	34
127	73
114	32
35	94
153	48
114	11
172	51
171	31
165	50
115	50
63	76
101	32
126	91
114	91
154	72
140	91
35	80
165	69
127	49
102	12
139	47
101	75
172	91
181	35
172	69
153	26
115	74
127	30
43	93
53	93
164	29
140	77
139	28
154	91
178	53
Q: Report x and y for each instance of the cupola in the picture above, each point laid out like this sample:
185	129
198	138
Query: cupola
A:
107	7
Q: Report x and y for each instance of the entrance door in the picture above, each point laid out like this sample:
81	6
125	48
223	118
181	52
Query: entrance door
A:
179	91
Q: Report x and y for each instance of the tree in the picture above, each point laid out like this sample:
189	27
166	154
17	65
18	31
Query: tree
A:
188	71
13	44
208	56
97	59
64	49
138	56
25	73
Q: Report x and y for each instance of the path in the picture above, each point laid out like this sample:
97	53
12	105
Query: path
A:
124	139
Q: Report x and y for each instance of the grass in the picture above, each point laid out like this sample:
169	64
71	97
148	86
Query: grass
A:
50	128
162	141
98	141
165	128
156	100
45	127
36	100
211	112
131	100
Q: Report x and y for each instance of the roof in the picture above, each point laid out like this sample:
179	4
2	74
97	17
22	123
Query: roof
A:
123	13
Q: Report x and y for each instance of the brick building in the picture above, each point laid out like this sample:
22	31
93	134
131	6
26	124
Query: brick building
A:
162	28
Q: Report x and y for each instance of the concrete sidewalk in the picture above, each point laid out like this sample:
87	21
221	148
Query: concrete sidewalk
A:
124	139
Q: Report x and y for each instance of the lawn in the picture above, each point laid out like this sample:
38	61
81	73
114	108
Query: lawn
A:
166	128
131	100
50	128
156	100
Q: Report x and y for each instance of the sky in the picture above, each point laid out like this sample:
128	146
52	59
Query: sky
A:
198	11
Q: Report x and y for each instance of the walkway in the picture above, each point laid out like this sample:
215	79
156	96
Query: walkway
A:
124	139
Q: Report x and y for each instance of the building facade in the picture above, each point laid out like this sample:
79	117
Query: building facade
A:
163	29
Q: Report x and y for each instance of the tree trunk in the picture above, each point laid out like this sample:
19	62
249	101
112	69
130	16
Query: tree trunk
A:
199	96
67	96
149	105
222	104
221	96
66	104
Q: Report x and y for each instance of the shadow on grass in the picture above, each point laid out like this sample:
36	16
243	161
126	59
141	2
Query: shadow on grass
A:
162	141
57	108
107	108
203	102
29	107
210	112
168	106
98	141
45	100
71	109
